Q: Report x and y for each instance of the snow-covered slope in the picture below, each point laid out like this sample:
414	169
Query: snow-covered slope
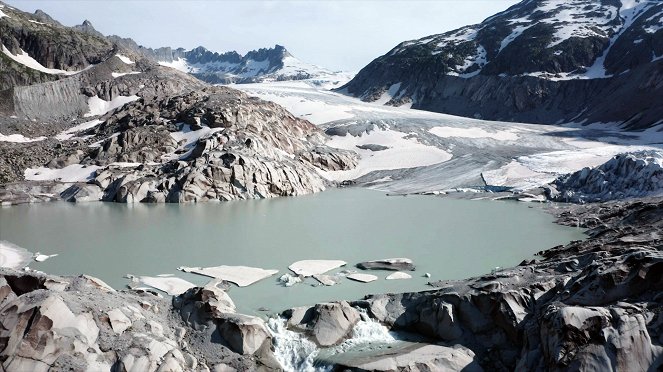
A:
273	64
543	61
409	151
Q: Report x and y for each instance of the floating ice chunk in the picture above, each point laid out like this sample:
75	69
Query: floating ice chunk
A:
314	267
327	280
289	280
364	278
240	275
12	256
43	257
171	285
399	275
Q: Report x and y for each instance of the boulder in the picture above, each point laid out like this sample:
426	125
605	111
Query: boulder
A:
244	334
327	324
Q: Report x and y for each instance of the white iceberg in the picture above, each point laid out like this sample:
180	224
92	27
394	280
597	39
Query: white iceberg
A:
315	267
171	285
399	275
240	275
364	278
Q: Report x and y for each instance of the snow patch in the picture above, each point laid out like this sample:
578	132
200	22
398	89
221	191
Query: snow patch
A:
402	152
19	138
389	94
125	59
100	107
171	285
179	64
27	61
120	74
241	275
71	173
69	133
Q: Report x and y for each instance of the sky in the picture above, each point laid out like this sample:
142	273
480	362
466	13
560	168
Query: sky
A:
339	35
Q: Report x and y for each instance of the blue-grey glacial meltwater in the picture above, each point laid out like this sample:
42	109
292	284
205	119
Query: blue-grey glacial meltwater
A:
451	239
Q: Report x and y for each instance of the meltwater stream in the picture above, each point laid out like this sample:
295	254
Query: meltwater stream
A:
448	238
296	353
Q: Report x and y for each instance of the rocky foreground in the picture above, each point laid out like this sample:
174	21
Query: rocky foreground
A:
591	305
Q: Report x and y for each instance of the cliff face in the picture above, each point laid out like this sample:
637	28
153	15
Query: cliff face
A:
48	43
539	61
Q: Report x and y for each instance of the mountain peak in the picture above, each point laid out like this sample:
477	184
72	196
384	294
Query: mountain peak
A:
87	28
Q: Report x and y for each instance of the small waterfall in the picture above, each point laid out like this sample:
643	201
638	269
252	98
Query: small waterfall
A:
296	353
292	350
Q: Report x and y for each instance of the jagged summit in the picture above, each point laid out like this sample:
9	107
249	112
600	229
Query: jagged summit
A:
78	47
257	65
531	52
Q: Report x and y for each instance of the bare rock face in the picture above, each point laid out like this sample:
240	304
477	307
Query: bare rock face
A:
214	144
327	324
211	311
624	176
590	305
80	324
413	357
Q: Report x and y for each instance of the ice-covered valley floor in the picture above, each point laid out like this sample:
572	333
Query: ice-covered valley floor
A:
410	151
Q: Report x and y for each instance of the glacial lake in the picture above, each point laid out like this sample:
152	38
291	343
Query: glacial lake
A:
448	238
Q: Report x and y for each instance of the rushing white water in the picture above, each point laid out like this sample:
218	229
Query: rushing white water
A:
296	353
292	350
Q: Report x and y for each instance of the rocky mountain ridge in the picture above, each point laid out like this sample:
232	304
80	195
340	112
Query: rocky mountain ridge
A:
110	124
539	61
82	46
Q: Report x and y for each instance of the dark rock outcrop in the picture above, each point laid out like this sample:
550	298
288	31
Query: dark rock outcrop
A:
624	176
81	324
592	304
599	62
213	144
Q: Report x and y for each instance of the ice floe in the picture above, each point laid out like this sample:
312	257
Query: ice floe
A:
398	275
289	280
39	257
315	267
171	285
364	278
241	275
